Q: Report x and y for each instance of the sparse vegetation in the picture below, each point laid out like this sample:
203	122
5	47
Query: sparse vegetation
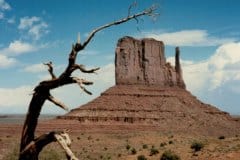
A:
197	146
169	155
141	157
128	146
221	137
163	144
153	151
133	151
145	146
170	142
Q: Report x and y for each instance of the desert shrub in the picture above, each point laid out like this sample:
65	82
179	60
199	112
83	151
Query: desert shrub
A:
163	144
128	146
169	155
141	157
170	142
197	146
153	151
133	151
145	146
221	137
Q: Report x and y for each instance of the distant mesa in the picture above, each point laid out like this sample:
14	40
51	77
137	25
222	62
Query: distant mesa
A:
149	92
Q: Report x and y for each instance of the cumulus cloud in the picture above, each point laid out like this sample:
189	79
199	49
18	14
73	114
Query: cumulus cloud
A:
11	20
35	26
71	95
35	68
215	80
188	38
222	67
1	15
6	62
18	47
15	97
4	5
15	48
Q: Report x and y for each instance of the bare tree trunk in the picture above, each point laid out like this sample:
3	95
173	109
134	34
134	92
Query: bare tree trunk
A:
30	146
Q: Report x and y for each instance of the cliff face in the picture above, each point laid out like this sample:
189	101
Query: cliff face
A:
143	62
151	92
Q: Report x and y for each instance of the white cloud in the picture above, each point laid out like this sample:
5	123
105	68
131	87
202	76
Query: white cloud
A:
188	38
1	15
15	97
35	68
35	26
4	5
18	47
217	79
11	20
27	22
221	68
18	98
6	62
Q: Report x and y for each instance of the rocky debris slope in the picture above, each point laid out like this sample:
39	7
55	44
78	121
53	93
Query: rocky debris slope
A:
151	92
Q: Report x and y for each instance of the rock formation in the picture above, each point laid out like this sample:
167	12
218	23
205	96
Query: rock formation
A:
151	92
143	62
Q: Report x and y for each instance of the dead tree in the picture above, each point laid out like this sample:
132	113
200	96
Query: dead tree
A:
31	146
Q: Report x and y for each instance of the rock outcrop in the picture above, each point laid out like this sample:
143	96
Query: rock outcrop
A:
151	92
143	62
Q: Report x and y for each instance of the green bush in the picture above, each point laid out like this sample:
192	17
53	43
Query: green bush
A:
145	146
169	155
128	146
163	144
153	151
141	157
197	146
133	151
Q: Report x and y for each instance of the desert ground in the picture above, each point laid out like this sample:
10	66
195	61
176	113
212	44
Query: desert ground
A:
123	142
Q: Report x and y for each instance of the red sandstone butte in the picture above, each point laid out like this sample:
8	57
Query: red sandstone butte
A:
150	92
143	62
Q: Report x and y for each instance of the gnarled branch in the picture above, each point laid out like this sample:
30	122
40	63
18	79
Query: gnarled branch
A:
57	102
50	69
82	81
31	147
149	12
39	143
84	70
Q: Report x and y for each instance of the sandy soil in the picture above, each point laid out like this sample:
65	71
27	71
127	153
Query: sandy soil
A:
110	142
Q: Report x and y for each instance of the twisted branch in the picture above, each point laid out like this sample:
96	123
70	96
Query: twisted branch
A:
148	12
31	147
50	69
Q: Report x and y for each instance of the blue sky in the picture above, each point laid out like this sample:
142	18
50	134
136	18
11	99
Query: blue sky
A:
33	32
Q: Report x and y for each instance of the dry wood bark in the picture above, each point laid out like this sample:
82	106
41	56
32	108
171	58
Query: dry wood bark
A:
31	146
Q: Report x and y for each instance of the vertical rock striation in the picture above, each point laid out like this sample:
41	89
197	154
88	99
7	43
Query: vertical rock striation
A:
143	62
149	92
